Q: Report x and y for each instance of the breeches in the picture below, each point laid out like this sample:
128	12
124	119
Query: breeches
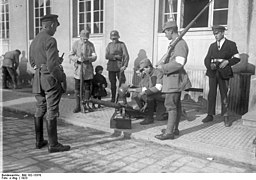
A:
224	88
172	101
48	102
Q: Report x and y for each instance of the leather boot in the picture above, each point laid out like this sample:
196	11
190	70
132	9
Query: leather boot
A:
54	145
86	101
149	119
227	123
40	142
78	107
208	118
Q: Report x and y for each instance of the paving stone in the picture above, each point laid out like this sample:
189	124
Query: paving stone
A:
54	170
147	160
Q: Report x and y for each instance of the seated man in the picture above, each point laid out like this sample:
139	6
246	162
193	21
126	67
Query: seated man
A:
150	98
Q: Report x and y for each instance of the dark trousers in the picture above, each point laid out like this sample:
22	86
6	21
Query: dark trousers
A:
87	88
224	88
113	76
8	71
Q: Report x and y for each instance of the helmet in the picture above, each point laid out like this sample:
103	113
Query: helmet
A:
114	34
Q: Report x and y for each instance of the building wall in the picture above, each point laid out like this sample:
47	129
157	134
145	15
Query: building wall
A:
18	26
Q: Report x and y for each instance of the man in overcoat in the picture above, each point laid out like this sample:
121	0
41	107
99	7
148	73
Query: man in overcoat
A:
83	51
48	83
221	56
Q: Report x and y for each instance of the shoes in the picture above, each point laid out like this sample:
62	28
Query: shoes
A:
58	148
208	118
176	132
77	110
147	121
41	144
164	136
227	123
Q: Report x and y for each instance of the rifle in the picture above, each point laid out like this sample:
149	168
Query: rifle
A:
165	58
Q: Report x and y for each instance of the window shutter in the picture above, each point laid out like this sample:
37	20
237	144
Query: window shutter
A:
75	13
31	19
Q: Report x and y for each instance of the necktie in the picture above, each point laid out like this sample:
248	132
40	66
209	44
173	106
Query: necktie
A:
218	44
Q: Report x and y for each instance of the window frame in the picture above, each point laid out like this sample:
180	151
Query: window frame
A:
5	13
35	17
180	8
92	21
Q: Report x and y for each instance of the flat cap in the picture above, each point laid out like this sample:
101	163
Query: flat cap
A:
169	24
84	33
145	63
218	28
50	17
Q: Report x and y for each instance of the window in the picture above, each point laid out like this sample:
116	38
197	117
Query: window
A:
184	11
37	9
88	14
4	19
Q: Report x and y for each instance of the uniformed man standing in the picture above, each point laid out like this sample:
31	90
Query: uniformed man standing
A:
9	67
83	51
175	80
118	58
221	55
47	84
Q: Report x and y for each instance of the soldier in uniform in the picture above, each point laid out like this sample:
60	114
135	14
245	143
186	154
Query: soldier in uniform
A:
221	55
118	58
48	83
83	51
175	80
9	67
151	84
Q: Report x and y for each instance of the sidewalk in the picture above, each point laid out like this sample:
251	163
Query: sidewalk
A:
212	140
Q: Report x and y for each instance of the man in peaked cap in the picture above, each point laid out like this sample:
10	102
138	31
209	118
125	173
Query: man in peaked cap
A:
83	51
118	59
221	56
175	80
50	18
48	83
151	84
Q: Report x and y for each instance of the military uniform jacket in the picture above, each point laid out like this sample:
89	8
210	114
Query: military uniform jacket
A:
11	59
150	80
227	51
175	77
113	49
87	50
44	58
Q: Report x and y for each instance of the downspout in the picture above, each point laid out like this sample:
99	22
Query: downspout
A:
153	45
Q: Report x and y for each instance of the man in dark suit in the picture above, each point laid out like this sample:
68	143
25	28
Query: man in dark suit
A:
221	56
48	84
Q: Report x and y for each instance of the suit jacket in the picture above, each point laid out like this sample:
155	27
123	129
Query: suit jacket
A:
44	57
227	51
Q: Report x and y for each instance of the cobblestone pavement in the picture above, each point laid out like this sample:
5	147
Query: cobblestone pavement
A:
95	151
